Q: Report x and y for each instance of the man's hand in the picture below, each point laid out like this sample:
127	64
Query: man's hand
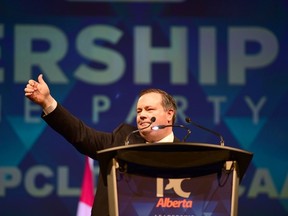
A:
39	92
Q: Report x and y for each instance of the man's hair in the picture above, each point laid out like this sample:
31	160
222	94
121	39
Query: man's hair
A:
168	102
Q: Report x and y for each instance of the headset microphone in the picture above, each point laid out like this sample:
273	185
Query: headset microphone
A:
153	119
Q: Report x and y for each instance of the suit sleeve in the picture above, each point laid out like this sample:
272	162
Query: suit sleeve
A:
84	138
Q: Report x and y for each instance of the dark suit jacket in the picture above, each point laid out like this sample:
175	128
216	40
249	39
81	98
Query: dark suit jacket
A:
88	141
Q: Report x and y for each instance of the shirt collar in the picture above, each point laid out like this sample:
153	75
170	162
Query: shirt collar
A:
169	138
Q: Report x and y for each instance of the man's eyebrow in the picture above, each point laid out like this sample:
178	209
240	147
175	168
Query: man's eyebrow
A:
146	107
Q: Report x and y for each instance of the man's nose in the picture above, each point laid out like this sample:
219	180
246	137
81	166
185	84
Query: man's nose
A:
143	115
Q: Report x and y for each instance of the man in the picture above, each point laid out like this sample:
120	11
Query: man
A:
152	103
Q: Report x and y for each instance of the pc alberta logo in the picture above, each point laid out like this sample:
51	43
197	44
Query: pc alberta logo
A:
175	185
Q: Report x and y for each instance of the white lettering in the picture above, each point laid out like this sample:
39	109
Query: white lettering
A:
262	183
284	191
216	101
145	55
159	187
29	107
37	181
239	60
104	65
207	56
48	60
30	181
101	103
174	184
255	108
10	177
63	188
113	61
182	106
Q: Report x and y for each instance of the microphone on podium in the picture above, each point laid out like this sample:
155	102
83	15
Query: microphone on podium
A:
158	127
153	119
188	120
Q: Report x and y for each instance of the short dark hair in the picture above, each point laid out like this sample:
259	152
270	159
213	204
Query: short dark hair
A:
168	102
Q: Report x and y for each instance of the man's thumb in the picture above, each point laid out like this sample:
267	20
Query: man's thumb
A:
40	79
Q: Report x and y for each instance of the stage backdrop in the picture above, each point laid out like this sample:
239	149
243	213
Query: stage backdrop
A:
225	62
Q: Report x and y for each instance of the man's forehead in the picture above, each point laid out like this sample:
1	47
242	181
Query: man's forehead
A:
150	96
150	99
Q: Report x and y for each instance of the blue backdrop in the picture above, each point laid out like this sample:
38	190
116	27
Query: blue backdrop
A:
224	61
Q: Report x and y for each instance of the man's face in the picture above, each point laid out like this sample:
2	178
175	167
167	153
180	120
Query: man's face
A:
148	106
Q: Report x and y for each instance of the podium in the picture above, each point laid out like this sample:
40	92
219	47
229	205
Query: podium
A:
173	178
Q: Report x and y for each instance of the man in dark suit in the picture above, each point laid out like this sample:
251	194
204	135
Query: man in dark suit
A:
152	104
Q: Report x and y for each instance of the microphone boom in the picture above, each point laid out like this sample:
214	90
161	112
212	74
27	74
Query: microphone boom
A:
188	120
158	127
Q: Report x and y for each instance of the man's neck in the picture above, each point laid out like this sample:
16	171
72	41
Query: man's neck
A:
168	138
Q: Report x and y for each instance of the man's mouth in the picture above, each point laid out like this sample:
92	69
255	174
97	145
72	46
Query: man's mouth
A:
144	124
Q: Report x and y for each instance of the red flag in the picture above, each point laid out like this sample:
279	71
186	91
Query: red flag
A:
87	190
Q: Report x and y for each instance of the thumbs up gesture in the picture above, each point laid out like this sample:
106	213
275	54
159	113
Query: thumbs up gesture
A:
39	92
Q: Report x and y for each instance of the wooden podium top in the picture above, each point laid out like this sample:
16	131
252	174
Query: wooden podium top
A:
175	157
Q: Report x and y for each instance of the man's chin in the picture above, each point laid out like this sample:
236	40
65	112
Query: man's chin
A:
145	131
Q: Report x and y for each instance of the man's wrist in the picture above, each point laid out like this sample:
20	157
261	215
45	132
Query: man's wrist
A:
50	108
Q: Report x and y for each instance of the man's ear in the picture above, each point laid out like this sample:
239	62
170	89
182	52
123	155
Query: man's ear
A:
170	115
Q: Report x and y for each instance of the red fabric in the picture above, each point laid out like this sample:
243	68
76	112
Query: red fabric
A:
87	190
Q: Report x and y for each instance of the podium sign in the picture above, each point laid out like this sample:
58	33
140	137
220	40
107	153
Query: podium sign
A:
203	195
184	179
